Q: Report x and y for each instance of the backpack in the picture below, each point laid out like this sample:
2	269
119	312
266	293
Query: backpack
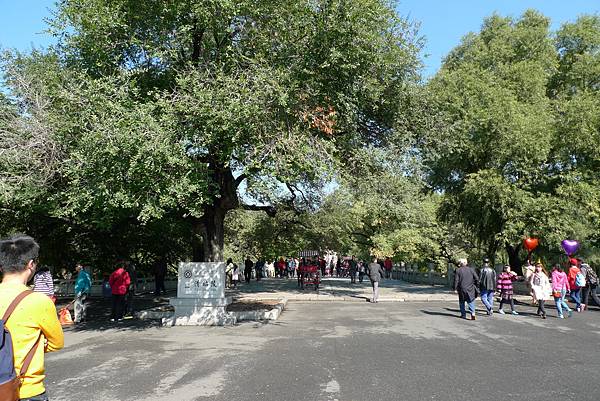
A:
9	381
592	277
580	280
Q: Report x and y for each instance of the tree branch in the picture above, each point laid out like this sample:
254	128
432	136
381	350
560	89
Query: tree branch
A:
239	180
269	210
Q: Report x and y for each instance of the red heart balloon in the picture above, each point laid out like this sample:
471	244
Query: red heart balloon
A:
530	243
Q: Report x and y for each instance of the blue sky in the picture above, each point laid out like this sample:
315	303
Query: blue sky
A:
443	22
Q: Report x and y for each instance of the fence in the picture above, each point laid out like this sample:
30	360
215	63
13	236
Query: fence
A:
412	274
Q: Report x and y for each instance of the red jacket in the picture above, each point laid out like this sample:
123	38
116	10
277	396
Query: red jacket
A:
119	281
572	273
387	264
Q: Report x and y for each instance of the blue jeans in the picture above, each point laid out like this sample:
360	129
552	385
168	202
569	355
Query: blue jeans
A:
561	303
461	305
487	297
576	297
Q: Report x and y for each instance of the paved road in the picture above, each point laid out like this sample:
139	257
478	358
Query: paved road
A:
337	351
340	289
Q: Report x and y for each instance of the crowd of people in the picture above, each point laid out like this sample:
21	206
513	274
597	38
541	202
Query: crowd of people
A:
577	280
330	265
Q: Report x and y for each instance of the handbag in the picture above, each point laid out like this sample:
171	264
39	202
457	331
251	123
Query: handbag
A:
557	294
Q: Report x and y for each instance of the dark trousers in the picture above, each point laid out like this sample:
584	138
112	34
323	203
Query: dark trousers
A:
247	275
118	304
361	276
587	291
129	302
159	285
511	302
541	310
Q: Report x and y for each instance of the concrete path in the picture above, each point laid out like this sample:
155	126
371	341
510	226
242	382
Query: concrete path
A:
340	289
343	351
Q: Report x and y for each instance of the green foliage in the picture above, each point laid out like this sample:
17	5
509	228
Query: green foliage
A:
157	112
518	156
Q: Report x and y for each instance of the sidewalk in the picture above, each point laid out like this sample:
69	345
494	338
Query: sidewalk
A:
340	289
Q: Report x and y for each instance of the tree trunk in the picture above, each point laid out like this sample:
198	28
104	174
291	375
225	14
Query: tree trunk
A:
513	258
214	234
198	254
491	251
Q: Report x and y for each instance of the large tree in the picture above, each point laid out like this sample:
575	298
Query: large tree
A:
181	111
516	159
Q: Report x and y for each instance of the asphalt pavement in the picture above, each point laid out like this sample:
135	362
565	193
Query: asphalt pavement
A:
336	351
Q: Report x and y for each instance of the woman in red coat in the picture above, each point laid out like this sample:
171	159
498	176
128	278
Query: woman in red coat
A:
119	282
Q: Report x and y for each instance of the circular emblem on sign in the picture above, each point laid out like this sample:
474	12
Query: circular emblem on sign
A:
187	274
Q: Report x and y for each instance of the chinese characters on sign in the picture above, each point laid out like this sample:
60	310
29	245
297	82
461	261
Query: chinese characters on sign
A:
201	280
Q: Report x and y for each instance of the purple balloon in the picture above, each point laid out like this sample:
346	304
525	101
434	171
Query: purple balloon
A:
570	246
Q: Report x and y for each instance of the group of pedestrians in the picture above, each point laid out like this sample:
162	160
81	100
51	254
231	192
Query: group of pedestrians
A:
579	281
282	267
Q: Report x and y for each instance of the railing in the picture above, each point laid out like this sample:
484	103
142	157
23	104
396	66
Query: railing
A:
418	277
412	274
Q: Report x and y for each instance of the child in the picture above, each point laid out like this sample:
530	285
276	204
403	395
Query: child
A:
540	287
235	275
574	284
505	287
560	286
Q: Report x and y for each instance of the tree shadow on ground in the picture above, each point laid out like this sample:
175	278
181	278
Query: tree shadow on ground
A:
99	312
123	325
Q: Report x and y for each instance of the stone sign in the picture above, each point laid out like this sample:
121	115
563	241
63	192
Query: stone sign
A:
201	280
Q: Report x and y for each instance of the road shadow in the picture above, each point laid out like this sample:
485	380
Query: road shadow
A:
123	325
98	314
446	314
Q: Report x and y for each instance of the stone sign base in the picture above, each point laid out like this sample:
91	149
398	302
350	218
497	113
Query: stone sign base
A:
201	299
200	312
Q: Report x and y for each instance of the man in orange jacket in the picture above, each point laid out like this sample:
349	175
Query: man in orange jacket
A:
33	324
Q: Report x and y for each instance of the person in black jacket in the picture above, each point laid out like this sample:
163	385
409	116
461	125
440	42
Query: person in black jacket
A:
376	274
465	284
248	265
487	285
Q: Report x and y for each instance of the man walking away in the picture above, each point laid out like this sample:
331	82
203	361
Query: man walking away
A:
29	317
591	283
487	285
83	286
353	269
248	265
160	272
387	264
376	274
465	284
258	268
119	283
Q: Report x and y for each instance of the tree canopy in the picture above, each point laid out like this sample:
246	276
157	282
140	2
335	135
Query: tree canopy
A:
202	130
